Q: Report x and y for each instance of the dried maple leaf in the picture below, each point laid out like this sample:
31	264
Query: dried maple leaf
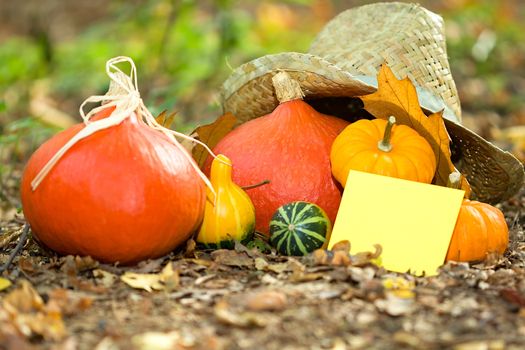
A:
165	119
399	98
211	134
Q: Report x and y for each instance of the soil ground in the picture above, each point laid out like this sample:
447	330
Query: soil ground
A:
243	299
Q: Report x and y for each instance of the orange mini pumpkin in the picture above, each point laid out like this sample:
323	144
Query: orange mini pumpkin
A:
380	147
481	229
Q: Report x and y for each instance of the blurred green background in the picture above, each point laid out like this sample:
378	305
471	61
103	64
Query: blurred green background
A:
53	54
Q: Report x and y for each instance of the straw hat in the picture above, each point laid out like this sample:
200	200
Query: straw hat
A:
343	61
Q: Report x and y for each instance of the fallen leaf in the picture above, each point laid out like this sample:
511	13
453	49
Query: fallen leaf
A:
231	258
149	266
69	302
190	248
278	268
107	343
167	279
320	257
70	343
72	265
481	345
398	98
269	279
241	248
211	134
339	344
341	258
9	237
344	246
268	300
395	306
26	265
146	281
300	273
513	296
365	258
261	264
204	279
399	287
24	299
157	341
166	119
340	255
30	316
4	283
225	314
408	340
107	279
170	278
201	262
359	274
85	263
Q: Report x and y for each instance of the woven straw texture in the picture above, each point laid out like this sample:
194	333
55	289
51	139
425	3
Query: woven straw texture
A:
354	45
248	93
410	40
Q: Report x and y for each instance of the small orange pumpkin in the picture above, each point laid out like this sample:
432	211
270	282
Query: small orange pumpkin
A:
480	229
380	147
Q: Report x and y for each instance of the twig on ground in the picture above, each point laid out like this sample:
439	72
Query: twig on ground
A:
17	249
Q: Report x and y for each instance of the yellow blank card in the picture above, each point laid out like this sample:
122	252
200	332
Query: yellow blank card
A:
413	222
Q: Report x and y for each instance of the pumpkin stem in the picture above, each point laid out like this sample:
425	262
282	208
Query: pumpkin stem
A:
286	88
249	187
385	145
454	180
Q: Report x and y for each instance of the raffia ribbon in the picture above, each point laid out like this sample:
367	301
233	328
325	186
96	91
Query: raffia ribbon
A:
124	95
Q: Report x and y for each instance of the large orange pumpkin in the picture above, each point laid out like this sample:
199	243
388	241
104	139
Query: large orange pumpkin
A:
125	193
290	147
481	229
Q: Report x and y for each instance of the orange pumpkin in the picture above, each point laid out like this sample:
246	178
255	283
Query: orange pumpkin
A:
380	147
481	229
290	147
125	194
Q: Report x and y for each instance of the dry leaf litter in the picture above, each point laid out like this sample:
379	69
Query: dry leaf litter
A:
244	299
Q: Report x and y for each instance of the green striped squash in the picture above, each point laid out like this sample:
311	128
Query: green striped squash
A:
299	228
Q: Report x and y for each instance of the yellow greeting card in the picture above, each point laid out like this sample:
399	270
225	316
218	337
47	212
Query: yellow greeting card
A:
412	221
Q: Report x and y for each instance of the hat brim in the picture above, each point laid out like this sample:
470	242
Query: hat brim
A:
248	93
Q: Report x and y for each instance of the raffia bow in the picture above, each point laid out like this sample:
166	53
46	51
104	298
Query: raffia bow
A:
124	95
